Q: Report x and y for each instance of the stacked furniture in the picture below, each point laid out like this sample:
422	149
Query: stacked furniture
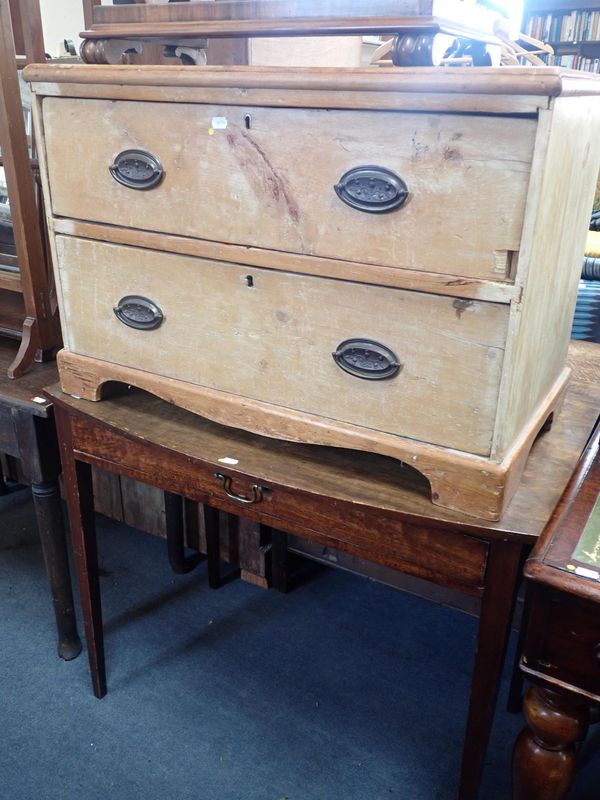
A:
422	29
359	506
337	303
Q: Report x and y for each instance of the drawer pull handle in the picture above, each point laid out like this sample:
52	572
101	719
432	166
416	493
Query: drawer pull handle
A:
137	169
366	359
376	190
257	491
138	312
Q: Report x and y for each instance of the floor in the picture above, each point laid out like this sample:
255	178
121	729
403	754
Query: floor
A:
342	689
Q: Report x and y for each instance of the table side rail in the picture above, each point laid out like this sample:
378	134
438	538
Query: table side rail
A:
455	560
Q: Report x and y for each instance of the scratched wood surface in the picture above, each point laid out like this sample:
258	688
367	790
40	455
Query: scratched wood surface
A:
20	393
365	479
434	282
273	340
267	179
262	10
559	205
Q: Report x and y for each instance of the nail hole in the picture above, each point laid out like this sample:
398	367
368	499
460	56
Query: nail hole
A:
248	121
249	280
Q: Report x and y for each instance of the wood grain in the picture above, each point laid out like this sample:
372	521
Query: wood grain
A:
559	205
257	9
451	285
366	479
470	484
41	331
252	187
273	341
387	98
511	82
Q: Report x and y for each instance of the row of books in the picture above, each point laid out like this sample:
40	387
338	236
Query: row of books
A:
575	62
573	26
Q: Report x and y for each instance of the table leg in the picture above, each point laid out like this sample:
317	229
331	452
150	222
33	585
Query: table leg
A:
501	583
80	503
279	561
545	758
213	545
174	521
48	511
37	448
515	693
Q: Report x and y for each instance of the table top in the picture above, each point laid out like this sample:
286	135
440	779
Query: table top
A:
25	392
363	478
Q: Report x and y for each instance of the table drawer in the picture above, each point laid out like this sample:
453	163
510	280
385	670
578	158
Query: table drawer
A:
270	336
565	644
266	177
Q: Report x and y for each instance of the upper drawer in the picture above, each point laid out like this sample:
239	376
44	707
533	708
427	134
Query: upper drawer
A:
265	177
271	336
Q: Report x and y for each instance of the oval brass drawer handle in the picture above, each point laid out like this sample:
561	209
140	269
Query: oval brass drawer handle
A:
138	312
257	491
137	169
366	359
376	190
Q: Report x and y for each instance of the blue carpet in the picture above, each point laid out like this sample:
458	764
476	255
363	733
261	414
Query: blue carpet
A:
342	690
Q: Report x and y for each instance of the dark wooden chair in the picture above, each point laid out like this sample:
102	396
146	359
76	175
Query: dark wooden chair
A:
28	311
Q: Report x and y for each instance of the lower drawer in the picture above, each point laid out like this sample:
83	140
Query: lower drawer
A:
270	336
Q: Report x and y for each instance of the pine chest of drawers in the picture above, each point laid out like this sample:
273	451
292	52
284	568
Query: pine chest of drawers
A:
377	259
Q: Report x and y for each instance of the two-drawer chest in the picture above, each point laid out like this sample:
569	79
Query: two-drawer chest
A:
374	259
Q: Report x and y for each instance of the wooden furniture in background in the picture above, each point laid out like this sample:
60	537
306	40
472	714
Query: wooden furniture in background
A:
27	433
415	24
579	45
561	653
457	312
28	310
368	506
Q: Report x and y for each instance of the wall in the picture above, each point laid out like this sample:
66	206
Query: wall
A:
62	19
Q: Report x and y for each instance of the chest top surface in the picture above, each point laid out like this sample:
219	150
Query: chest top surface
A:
494	90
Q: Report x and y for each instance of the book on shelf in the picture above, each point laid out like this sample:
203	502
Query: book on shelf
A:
581	25
575	61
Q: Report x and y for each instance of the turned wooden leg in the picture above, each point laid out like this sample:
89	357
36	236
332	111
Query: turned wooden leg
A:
48	511
545	758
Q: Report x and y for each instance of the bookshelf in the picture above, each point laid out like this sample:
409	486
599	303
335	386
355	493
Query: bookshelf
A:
571	27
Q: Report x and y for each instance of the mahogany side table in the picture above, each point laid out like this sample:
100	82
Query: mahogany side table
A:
361	503
561	653
27	433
